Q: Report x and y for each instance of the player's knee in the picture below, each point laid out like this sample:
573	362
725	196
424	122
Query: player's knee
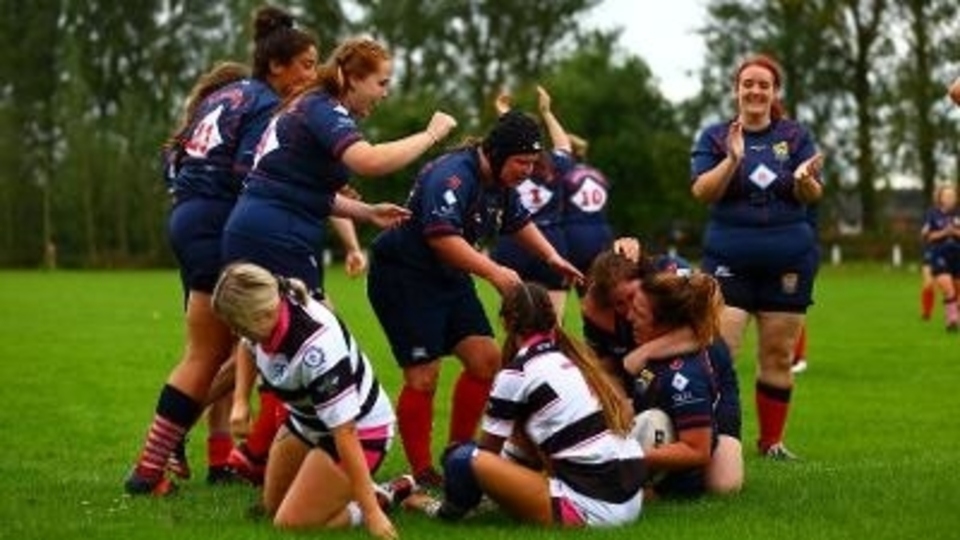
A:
460	488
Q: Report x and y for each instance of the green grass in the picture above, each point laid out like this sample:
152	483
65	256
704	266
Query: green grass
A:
84	354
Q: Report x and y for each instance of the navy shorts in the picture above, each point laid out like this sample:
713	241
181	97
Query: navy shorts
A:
508	252
785	287
424	316
281	259
195	231
946	261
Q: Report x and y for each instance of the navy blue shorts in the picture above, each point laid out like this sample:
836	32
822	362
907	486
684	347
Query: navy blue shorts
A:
423	316
785	287
195	230
511	254
946	261
281	259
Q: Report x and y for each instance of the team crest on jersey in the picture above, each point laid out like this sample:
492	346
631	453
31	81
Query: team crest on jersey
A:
644	379
679	382
313	358
762	176
453	182
788	282
781	151
677	364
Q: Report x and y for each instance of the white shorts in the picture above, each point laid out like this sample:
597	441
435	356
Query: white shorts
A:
577	509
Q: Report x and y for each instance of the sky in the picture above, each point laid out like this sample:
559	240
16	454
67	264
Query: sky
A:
664	37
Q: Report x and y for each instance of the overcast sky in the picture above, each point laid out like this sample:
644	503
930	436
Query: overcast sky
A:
664	36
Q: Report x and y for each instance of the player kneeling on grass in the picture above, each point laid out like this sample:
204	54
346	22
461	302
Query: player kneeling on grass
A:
341	422
551	394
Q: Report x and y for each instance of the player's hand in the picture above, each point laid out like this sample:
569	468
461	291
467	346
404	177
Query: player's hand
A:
240	419
543	100
629	247
387	215
505	279
355	262
735	143
441	124
809	169
379	525
954	92
570	272
502	103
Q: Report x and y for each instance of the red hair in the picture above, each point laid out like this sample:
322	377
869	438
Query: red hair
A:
767	62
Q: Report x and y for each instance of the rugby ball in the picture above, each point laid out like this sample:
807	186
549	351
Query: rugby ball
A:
653	428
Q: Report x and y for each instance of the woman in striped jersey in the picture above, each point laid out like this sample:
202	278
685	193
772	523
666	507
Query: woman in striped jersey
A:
341	422
551	410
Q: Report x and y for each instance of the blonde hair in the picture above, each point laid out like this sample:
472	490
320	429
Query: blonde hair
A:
526	310
247	295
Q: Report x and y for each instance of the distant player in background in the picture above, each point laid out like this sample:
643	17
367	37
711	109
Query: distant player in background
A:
585	222
928	286
542	194
941	231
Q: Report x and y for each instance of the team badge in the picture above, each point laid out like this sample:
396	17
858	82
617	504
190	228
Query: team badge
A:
781	151
313	358
788	282
676	365
453	182
762	176
679	382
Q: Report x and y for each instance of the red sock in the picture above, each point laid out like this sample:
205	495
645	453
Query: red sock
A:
469	400
163	437
800	349
218	449
927	298
266	425
415	422
772	406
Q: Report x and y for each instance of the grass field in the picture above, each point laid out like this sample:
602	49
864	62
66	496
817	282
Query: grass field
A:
84	354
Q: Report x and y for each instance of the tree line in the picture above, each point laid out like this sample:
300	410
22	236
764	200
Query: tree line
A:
90	91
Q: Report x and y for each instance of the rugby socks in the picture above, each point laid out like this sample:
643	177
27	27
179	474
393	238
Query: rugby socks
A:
415	423
175	413
927	298
469	400
219	445
950	310
271	416
772	406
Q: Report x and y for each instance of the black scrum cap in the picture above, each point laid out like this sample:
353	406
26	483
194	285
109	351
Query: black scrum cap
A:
515	133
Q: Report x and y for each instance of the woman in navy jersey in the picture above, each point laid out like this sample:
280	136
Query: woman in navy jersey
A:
307	155
211	155
421	278
340	425
542	195
941	232
759	173
683	383
615	279
554	448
